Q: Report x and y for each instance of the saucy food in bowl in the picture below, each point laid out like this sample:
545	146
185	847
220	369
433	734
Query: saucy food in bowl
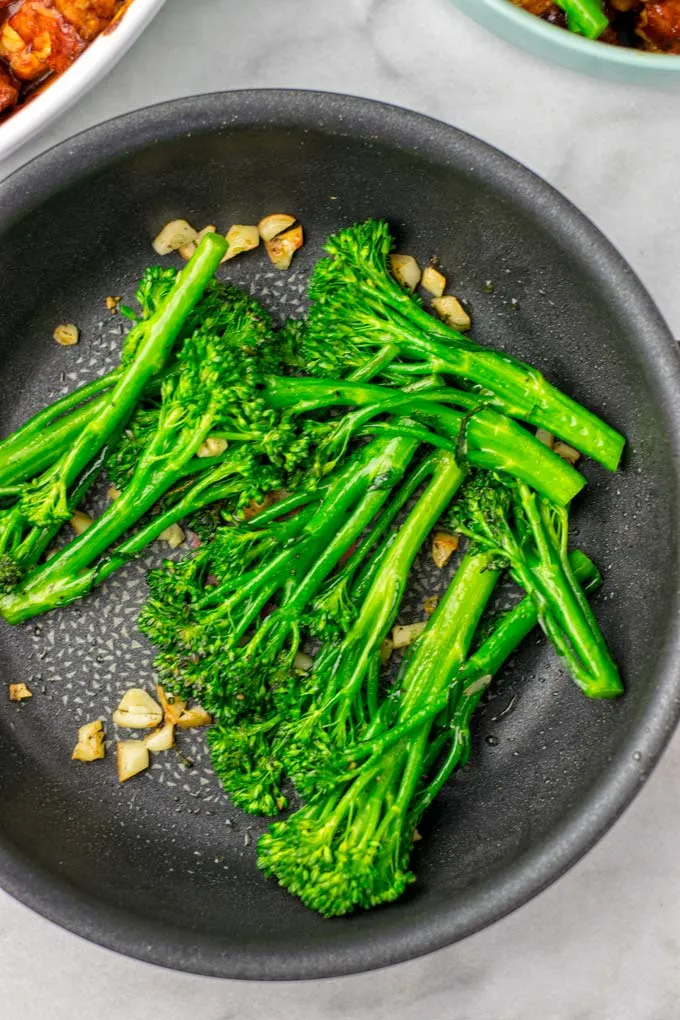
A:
40	39
652	25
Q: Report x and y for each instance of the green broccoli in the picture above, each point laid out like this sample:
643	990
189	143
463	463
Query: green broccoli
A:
358	307
45	500
350	845
529	535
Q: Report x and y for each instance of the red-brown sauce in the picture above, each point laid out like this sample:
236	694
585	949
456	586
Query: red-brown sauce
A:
40	39
640	24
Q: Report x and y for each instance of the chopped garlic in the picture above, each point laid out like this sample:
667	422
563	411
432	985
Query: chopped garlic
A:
19	692
112	303
192	717
66	335
281	248
403	636
137	710
241	238
210	229
430	604
161	739
187	250
303	661
433	281
112	492
213	446
452	312
90	746
173	535
405	270
172	706
274	224
174	235
132	758
253	508
386	649
444	546
545	437
80	522
566	452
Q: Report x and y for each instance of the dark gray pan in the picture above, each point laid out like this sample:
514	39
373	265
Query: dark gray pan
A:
164	870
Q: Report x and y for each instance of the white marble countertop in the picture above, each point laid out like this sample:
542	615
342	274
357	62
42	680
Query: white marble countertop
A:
604	942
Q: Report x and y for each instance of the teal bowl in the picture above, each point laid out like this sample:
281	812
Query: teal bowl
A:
617	63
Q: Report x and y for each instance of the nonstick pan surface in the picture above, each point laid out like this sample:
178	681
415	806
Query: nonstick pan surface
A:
162	868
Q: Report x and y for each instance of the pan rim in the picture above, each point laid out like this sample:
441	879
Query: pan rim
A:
183	949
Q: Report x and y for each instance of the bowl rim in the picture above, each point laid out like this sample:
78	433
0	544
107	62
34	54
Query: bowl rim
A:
88	68
519	881
621	56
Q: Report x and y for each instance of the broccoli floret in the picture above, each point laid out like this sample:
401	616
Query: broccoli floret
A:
349	846
359	309
121	463
10	573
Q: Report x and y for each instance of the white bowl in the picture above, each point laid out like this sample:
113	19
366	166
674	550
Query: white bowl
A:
100	56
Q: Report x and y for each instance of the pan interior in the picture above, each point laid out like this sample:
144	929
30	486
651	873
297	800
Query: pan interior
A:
163	867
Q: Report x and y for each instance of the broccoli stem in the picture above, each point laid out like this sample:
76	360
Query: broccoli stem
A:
41	451
345	579
530	535
488	439
475	675
586	17
23	544
63	578
350	845
355	296
209	490
288	503
343	693
521	392
363	487
45	436
560	601
236	676
47	500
